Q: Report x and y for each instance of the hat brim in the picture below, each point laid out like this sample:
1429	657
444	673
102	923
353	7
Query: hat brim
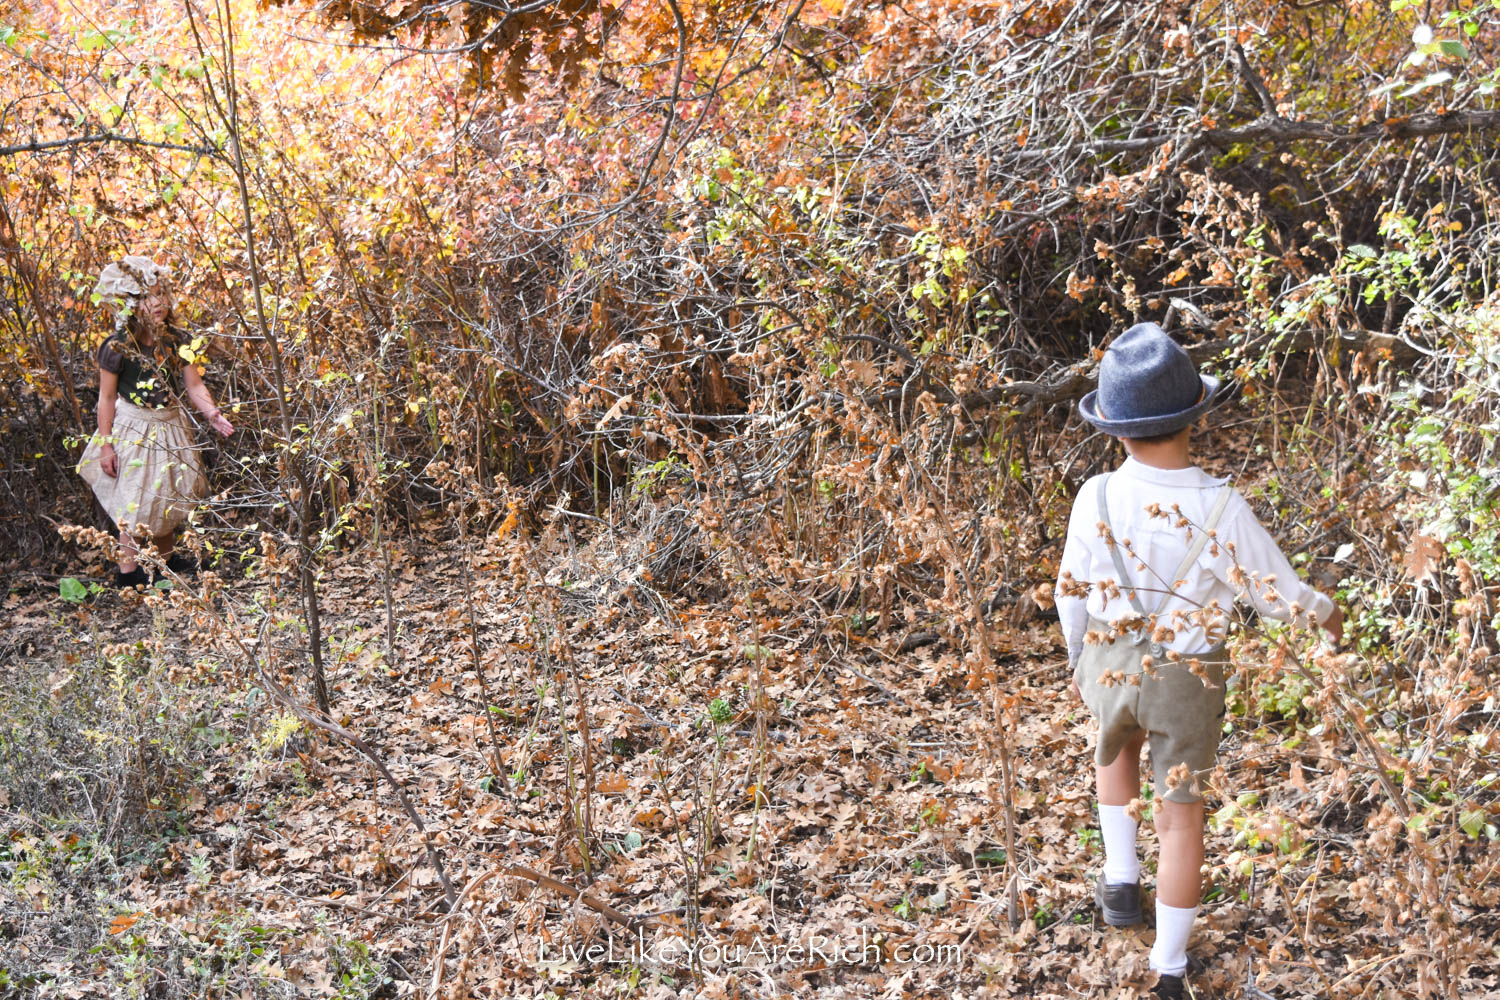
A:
1162	423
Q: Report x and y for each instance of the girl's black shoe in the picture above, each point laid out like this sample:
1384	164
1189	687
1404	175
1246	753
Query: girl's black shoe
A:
135	578
182	565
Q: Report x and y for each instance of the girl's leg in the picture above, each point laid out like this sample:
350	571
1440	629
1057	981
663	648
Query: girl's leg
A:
1119	783
165	543
128	553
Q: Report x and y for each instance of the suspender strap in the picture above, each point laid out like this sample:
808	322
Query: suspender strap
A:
1114	549
1196	549
1193	552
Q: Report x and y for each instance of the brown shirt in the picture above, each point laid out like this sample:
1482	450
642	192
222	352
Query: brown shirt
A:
149	377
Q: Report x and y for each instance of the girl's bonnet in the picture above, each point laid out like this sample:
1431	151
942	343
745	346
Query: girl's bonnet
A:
124	282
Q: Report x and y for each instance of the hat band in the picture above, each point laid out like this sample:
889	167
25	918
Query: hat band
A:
1099	404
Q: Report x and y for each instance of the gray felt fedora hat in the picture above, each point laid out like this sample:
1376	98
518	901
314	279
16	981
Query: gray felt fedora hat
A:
1147	386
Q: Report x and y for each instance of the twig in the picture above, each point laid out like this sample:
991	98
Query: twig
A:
35	146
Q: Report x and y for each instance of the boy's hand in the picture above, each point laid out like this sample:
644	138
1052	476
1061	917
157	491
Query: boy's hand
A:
1334	626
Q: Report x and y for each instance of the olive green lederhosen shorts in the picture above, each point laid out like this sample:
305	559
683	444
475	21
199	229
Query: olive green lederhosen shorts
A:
1181	716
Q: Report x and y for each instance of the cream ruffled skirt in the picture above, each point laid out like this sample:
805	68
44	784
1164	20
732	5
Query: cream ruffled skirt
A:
161	476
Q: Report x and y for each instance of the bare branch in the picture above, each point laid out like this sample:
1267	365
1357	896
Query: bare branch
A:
1255	83
1278	131
83	140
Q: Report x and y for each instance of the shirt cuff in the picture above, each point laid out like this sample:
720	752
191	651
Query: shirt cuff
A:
1321	607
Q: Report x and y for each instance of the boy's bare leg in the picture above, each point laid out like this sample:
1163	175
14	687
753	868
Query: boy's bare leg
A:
1120	779
1119	782
1179	883
1179	830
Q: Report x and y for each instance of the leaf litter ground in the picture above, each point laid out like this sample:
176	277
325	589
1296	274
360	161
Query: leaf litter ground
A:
876	843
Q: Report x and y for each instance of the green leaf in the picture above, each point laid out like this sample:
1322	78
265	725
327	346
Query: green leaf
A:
1454	49
633	842
7	34
70	589
1472	822
1361	250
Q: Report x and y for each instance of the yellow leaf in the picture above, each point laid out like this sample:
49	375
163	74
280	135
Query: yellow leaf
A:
509	524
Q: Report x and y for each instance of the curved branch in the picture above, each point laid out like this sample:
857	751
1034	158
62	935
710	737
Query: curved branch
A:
82	140
1277	130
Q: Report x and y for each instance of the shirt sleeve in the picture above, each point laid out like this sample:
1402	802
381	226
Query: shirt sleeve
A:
1251	562
111	358
1072	611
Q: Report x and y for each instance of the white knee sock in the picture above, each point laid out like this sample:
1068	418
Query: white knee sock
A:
1173	926
1120	861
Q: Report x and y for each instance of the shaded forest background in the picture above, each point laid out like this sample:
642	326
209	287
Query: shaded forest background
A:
656	436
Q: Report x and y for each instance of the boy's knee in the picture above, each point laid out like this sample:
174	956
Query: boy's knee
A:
1178	817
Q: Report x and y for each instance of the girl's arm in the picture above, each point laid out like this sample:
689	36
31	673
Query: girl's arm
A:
109	387
203	400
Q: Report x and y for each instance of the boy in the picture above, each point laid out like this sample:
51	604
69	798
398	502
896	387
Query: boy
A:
1153	663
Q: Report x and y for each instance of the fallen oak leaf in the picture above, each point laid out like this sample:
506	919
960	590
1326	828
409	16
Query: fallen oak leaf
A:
1422	558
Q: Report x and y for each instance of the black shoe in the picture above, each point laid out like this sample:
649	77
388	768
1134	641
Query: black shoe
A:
135	578
1120	903
182	565
1169	988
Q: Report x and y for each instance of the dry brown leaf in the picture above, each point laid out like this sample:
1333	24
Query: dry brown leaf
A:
1422	558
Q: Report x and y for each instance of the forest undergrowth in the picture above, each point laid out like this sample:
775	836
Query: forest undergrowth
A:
756	770
656	432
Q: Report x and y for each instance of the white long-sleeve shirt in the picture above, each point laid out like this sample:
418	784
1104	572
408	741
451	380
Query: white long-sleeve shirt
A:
1241	561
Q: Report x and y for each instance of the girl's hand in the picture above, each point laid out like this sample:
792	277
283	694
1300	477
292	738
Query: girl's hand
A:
1334	626
109	462
218	423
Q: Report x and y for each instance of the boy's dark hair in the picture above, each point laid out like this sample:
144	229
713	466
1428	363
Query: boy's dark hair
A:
1157	438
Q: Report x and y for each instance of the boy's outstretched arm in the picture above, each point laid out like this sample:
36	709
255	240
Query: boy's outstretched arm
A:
1250	561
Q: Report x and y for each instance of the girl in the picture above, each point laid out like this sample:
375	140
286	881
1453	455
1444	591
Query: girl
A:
143	464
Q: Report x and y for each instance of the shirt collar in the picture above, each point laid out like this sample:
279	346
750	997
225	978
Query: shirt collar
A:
1190	477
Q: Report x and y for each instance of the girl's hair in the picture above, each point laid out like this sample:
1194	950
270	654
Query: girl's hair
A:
168	337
